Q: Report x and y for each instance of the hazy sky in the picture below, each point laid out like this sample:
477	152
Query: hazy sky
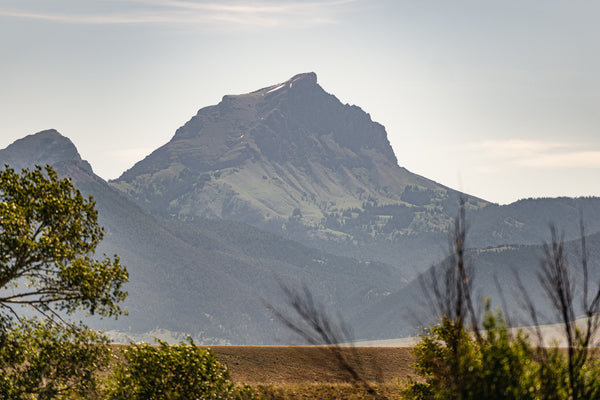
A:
500	99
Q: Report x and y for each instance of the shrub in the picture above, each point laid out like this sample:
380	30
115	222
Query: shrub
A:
43	360
183	371
453	364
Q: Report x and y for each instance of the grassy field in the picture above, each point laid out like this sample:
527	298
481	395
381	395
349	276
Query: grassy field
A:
299	372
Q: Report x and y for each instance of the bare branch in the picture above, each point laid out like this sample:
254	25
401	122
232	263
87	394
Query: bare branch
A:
312	324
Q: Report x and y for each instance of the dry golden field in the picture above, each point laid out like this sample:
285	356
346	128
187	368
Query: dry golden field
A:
302	372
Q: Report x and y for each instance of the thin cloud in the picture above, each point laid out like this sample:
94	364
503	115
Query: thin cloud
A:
258	14
83	18
515	148
249	7
538	154
575	159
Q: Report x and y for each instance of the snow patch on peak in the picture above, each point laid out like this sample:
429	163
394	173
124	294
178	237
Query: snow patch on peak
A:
276	88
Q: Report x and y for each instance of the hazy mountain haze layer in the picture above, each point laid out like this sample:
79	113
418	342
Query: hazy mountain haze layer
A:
287	183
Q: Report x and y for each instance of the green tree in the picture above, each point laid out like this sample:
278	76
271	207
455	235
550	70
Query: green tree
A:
179	372
48	234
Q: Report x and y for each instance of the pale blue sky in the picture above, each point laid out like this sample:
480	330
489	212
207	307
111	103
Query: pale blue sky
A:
497	98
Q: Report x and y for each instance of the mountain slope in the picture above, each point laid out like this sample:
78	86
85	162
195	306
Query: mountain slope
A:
496	272
206	278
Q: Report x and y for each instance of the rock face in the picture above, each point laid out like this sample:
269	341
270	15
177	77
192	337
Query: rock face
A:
286	150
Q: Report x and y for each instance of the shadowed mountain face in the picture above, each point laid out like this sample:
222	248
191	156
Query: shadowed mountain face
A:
500	275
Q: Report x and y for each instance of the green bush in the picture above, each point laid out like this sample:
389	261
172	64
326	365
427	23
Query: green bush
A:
452	364
43	360
183	371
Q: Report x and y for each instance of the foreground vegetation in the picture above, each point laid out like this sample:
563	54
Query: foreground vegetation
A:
453	364
48	235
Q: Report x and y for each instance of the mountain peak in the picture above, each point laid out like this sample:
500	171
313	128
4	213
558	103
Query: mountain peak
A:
261	155
41	148
49	133
293	122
